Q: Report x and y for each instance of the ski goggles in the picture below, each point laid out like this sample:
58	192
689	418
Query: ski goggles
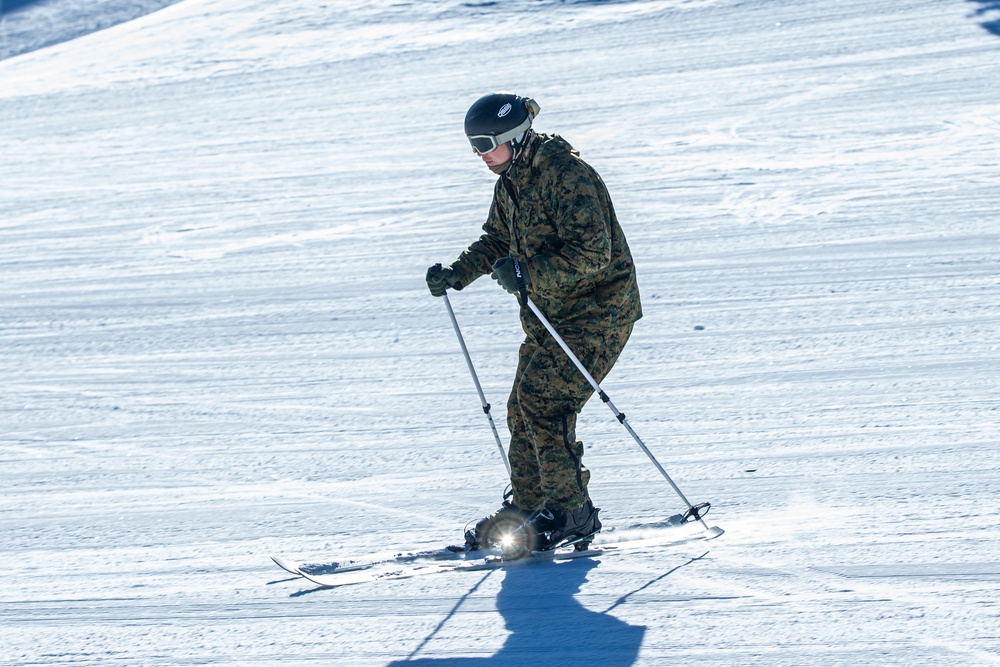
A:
485	143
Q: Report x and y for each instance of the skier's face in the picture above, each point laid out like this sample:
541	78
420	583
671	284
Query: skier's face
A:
497	156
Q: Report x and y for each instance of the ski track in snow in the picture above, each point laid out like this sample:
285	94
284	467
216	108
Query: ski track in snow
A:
217	344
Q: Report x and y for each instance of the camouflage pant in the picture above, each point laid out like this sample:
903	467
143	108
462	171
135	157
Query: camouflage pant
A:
548	393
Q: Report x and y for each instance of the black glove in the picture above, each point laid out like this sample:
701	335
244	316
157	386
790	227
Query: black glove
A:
440	278
505	274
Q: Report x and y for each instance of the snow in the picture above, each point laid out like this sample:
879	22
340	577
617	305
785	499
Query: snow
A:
26	25
217	344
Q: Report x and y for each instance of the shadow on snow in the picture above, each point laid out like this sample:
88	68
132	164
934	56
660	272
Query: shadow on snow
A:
11	5
988	6
547	624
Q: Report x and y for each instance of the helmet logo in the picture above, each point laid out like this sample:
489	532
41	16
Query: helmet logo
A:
504	110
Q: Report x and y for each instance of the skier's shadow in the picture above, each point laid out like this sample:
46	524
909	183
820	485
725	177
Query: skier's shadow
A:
548	625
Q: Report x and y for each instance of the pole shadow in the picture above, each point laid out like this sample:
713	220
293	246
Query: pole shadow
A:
548	625
987	8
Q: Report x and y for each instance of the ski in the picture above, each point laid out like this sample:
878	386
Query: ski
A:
461	562
453	553
355	564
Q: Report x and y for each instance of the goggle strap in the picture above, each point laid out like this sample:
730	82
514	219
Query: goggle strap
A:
513	134
506	136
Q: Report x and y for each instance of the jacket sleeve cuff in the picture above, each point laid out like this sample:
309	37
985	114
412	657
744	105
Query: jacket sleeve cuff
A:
461	278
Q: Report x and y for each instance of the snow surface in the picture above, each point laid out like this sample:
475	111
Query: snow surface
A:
217	344
26	25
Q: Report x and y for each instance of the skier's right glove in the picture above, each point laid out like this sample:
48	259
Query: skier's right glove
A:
440	278
505	273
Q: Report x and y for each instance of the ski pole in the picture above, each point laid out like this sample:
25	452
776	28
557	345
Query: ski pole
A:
522	288
479	388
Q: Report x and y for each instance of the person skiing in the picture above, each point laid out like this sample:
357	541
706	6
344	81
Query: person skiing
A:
552	221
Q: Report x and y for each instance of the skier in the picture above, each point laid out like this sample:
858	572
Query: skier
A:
552	213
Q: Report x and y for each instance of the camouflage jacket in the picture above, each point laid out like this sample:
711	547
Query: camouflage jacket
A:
552	209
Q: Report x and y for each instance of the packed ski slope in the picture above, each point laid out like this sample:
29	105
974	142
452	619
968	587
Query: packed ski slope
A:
26	25
216	342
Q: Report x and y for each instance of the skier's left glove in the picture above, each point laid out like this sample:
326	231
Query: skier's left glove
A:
505	274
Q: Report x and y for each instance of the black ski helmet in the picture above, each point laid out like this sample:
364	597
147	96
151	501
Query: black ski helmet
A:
497	118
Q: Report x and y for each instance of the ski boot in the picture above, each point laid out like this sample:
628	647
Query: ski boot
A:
548	529
493	530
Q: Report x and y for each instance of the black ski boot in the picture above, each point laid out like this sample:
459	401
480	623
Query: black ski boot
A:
547	529
491	531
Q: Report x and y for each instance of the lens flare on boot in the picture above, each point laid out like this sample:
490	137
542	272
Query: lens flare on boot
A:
508	535
513	547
